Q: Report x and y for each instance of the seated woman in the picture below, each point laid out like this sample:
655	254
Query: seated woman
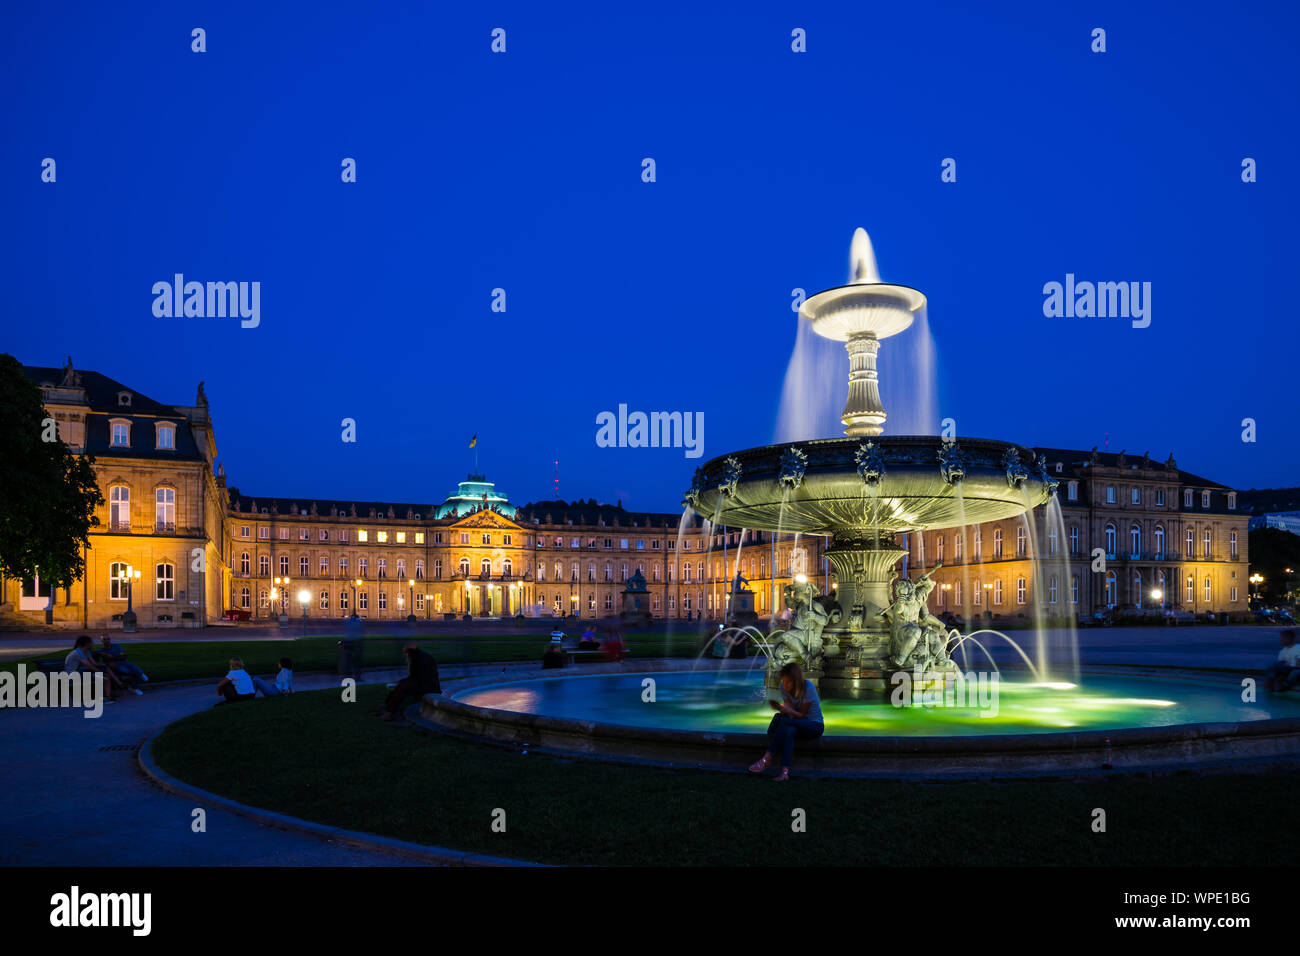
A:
82	660
800	715
283	681
588	641
237	685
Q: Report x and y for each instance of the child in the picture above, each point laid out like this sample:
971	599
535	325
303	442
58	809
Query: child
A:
237	685
283	681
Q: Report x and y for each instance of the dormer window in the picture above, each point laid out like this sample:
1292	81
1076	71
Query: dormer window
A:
165	436
123	399
120	429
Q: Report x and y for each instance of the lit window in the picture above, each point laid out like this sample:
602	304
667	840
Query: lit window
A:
165	437
382	537
121	431
401	537
363	536
166	581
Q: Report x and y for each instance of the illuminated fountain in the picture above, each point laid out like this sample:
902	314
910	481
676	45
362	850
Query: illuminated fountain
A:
862	491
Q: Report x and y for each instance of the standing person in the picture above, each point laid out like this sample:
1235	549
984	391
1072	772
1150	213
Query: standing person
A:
82	660
800	715
1284	673
237	685
114	655
283	680
421	678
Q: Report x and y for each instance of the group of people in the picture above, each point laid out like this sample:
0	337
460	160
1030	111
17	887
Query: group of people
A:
239	685
1284	674
109	659
613	647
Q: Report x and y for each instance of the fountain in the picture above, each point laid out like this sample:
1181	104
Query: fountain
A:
862	491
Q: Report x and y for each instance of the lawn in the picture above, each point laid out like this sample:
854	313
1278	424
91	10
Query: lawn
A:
183	660
315	757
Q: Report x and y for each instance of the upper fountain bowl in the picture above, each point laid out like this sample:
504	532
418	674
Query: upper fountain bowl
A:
877	308
886	484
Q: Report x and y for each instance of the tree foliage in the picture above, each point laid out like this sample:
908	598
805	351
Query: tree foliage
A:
48	495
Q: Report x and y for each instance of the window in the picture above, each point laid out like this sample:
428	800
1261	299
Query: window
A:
464	538
956	544
686	572
244	531
263	533
1072	491
1232	501
1051	590
622	543
1110	494
1205	540
1111	589
263	565
997	544
609	601
1074	539
1207	590
1191	589
419	568
1053	543
485	568
343	599
956	593
343	537
324	566
324	535
1160	497
1187	497
243	562
1021	542
979	543
363	536
245	598
164	437
121	432
324	600
116	584
284	534
119	508
419	537
304	534
363	567
263	598
1110	540
1232	545
938	549
343	567
381	568
508	569
284	565
997	592
1191	544
1205	499
506	539
1020	590
1074	589
166	581
1134	541
1160	542
419	602
1135	496
304	565
487	539
383	600
978	596
381	537
437	569
1234	595
363	601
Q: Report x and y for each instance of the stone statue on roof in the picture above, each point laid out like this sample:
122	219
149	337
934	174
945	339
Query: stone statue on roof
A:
1093	457
201	398
354	509
313	509
71	377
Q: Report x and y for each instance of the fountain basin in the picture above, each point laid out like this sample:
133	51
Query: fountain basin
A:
1199	723
762	488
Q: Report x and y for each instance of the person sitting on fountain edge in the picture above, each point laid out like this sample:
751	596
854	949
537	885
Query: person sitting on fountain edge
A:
421	678
800	715
1284	673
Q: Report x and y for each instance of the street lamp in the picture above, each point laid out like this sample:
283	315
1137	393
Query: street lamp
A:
303	597
410	591
282	585
1256	579
128	619
355	584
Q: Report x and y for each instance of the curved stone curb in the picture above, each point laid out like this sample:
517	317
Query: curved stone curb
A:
366	841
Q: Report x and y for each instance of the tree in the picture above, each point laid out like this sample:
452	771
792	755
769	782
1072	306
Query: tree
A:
48	495
1272	551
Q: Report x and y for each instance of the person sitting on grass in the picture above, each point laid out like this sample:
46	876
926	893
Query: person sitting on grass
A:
237	685
114	656
1284	673
283	680
800	715
421	678
81	660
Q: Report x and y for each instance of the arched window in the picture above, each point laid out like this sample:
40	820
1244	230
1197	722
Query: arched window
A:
1134	541
116	581
1191	544
1110	589
485	568
1191	589
244	562
507	567
1160	542
1110	540
119	508
263	564
464	569
164	510
997	543
1232	543
1021	541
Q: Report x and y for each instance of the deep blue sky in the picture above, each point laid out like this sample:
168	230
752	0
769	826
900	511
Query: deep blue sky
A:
523	171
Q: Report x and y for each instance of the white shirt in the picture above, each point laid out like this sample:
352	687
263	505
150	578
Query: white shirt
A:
242	681
284	680
1290	656
74	661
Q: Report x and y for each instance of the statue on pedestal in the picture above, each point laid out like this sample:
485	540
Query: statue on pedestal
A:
916	637
802	642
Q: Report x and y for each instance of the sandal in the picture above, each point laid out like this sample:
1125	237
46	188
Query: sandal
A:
783	776
760	765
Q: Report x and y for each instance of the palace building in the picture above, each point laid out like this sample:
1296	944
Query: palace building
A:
204	551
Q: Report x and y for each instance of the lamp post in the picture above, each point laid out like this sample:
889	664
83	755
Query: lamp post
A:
573	605
410	591
128	619
468	590
355	584
282	585
945	588
1256	579
303	597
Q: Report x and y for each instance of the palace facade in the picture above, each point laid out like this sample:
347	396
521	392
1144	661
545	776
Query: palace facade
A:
1121	530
